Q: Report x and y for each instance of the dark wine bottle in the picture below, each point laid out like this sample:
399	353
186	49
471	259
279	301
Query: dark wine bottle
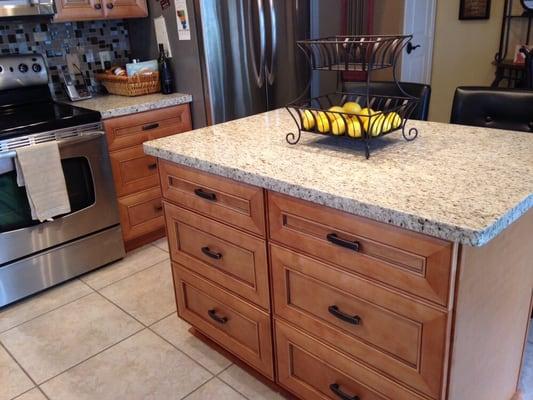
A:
165	72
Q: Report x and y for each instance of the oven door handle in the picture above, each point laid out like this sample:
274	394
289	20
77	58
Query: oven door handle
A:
63	142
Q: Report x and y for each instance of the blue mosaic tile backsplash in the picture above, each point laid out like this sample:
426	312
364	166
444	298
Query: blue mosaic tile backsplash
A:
90	45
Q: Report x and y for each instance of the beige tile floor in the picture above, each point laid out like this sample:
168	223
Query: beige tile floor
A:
113	334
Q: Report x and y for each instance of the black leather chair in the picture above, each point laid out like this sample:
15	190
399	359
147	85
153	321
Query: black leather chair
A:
493	108
391	89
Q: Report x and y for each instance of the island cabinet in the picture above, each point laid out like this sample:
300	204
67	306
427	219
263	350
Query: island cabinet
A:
330	305
135	173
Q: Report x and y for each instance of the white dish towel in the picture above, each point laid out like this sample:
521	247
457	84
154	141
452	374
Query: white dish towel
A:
39	169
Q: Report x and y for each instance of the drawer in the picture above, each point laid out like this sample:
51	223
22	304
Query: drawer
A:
409	261
231	258
131	130
133	170
398	336
233	323
314	371
141	213
223	199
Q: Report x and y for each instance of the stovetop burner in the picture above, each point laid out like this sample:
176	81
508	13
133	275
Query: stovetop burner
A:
26	105
25	119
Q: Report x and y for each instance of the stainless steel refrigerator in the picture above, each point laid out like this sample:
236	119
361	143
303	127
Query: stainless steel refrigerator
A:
249	59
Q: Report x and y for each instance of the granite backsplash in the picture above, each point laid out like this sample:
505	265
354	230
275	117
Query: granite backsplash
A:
88	44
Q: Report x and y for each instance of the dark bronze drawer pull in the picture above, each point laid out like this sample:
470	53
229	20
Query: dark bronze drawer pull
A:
205	195
150	127
98	6
336	388
210	253
333	238
213	314
351	319
152	166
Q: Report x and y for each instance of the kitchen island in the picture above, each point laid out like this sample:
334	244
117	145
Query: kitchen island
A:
405	276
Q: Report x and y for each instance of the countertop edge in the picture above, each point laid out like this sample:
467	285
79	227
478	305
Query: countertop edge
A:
462	235
149	106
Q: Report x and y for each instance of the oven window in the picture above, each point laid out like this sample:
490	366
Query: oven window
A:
14	208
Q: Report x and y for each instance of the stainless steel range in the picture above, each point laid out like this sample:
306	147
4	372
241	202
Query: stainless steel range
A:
34	255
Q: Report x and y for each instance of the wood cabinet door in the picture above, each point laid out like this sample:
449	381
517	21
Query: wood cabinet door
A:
125	9
141	214
76	10
133	171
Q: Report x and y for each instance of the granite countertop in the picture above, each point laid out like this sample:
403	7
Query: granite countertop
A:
115	106
458	183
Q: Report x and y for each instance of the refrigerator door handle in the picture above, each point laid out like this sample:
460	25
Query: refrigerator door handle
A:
274	43
257	70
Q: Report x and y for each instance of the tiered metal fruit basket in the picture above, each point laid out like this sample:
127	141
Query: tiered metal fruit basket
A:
359	115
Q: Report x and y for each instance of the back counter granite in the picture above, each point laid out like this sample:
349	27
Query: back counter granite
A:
469	187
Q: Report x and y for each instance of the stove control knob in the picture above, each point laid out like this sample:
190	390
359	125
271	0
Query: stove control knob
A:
23	68
36	68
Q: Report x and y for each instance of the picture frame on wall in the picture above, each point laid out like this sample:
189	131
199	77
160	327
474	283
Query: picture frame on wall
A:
474	9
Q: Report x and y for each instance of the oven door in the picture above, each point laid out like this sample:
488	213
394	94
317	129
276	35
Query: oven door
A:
91	192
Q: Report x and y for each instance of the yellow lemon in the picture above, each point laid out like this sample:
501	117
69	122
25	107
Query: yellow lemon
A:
308	120
338	127
355	129
364	116
394	120
335	114
376	125
387	124
322	122
351	107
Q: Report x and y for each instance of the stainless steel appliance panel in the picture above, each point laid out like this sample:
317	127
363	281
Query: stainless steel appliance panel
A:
286	69
233	46
101	214
33	274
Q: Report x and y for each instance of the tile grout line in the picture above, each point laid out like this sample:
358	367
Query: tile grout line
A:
90	357
181	351
2	345
49	311
167	258
199	387
165	250
149	327
43	393
161	319
121	309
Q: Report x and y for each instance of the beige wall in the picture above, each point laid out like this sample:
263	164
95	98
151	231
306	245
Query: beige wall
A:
388	20
462	55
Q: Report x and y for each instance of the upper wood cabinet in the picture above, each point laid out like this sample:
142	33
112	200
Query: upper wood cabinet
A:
78	10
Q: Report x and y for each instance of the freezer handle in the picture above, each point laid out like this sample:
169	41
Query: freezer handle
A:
274	43
258	70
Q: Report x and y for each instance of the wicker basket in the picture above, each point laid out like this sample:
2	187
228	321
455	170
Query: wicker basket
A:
136	85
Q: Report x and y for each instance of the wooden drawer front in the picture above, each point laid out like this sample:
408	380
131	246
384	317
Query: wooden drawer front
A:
136	129
309	368
133	170
229	257
225	200
233	323
398	336
406	260
141	213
